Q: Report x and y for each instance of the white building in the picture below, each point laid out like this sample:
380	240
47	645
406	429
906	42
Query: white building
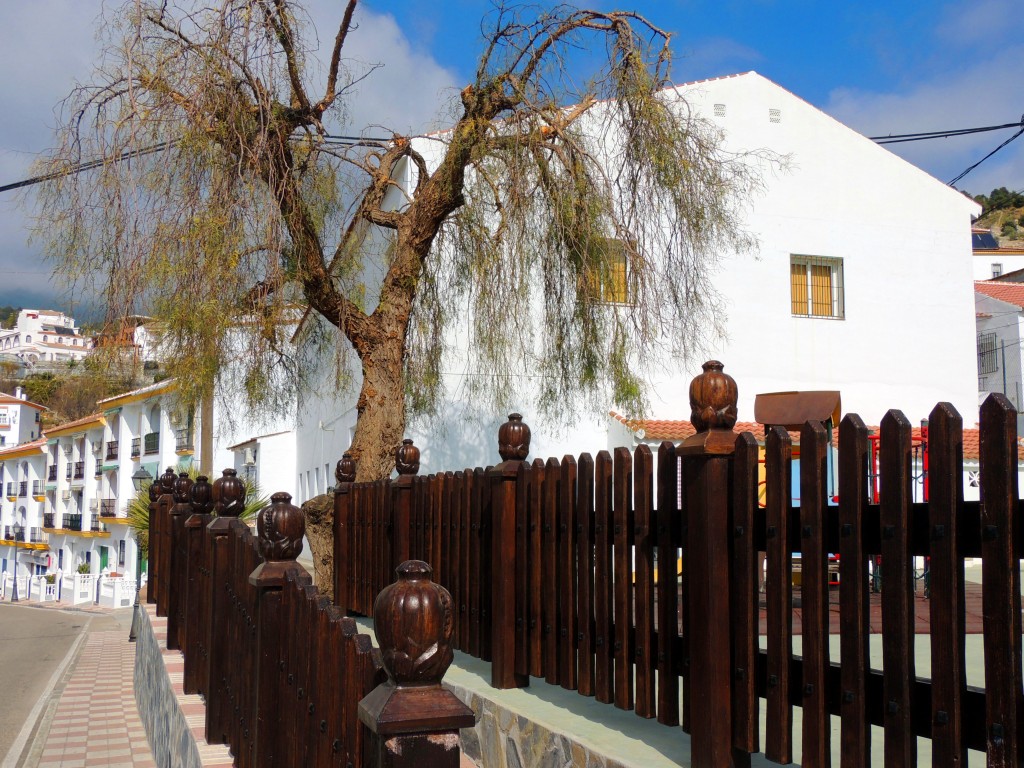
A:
44	336
1000	326
860	285
992	262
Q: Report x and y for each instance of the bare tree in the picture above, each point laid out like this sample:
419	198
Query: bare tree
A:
576	222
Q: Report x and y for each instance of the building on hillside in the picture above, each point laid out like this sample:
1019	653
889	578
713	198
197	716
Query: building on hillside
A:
267	461
841	295
991	262
44	336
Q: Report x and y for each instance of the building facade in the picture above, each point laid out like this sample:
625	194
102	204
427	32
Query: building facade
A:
44	336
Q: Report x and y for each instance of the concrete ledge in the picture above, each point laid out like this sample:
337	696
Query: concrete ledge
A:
173	722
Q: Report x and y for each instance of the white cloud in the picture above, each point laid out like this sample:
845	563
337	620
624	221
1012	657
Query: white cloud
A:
985	92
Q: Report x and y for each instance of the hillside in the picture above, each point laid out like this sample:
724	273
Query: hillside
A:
1007	224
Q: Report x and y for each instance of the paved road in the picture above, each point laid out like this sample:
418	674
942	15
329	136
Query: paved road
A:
36	642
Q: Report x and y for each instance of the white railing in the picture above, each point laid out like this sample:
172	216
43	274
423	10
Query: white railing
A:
117	592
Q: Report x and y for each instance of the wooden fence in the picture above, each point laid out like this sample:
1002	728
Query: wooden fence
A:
567	570
286	677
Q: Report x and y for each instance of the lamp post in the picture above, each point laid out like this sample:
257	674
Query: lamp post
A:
139	478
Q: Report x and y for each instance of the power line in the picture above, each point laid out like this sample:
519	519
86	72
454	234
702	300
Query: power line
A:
900	138
986	157
333	140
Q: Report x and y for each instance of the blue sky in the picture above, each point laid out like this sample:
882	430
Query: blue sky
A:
885	67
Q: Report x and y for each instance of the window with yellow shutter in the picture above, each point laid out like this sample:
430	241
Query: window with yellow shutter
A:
816	286
607	277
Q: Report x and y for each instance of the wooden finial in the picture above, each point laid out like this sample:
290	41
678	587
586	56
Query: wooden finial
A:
154	490
228	494
201	496
167	481
182	487
345	471
413	621
280	526
514	439
407	458
713	397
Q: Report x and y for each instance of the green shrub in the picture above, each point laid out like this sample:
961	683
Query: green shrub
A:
84	568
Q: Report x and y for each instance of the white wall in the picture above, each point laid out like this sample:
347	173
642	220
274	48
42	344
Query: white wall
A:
983	262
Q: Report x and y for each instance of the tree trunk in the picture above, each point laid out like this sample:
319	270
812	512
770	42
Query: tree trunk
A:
319	513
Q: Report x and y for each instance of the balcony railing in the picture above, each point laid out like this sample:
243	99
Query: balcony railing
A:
37	488
152	443
108	508
17	533
51	474
10	489
112	449
96	526
48	520
79	470
183	439
35	535
73	522
23	488
67	471
136	447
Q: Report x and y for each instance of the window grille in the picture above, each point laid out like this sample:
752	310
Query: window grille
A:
816	287
988	353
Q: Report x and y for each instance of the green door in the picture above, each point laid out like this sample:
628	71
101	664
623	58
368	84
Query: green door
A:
103	558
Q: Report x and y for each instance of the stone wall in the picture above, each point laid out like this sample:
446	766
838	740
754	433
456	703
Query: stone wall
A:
164	709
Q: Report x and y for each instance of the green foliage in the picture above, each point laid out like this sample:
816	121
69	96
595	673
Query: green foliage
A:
84	568
999	199
138	506
1009	230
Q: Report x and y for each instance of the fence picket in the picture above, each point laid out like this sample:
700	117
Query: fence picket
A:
623	586
668	585
779	596
744	595
536	591
549	571
853	593
567	574
604	674
643	542
1001	581
585	572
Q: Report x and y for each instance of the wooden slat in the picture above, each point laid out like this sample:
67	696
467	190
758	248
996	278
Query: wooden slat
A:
522	573
604	672
853	593
1001	601
743	598
549	569
684	597
536	592
486	564
814	593
779	596
897	590
668	585
475	553
567	574
465	542
623	538
949	665
448	558
585	573
643	542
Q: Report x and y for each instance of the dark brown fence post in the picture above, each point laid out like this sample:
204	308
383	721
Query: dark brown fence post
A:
163	539
152	578
280	527
345	474
198	584
513	447
707	456
416	720
229	501
407	464
177	556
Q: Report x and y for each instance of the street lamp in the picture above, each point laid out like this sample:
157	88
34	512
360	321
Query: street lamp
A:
140	477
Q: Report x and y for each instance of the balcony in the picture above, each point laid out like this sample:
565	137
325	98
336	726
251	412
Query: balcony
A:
136	447
51	474
183	439
23	488
48	520
108	508
72	522
35	536
10	491
79	470
67	471
37	488
152	443
16	533
96	526
111	450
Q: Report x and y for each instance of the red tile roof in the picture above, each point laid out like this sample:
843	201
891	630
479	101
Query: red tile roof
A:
1011	293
